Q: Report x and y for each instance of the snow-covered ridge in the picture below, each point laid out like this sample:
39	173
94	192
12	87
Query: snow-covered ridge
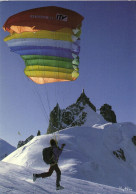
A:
5	149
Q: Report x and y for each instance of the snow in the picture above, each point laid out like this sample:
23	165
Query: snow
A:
87	163
16	179
92	117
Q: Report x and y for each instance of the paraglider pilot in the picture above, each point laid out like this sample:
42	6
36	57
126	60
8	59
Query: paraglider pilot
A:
56	152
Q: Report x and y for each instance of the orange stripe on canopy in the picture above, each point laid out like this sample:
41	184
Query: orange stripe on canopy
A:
41	80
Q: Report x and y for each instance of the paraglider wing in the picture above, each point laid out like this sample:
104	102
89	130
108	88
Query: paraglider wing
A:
47	39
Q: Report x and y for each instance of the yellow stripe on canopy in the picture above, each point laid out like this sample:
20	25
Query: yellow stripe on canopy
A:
50	74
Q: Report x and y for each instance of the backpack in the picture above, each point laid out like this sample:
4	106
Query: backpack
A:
48	155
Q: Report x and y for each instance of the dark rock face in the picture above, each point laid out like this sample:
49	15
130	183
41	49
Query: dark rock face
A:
134	140
67	117
73	115
21	143
108	114
54	122
38	133
120	154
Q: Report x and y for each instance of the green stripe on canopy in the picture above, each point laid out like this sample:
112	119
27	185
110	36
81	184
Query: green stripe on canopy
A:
28	57
52	63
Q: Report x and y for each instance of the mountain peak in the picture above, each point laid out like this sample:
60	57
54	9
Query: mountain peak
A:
82	112
85	100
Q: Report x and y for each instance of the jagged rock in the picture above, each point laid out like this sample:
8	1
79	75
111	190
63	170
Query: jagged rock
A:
54	122
119	154
21	143
134	140
85	100
108	114
73	115
67	117
38	133
29	138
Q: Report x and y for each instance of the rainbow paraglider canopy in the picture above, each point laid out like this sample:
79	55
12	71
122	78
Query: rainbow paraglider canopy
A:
48	40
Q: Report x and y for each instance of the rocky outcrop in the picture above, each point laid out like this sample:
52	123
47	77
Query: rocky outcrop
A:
76	115
73	115
120	154
108	114
55	120
134	140
21	143
38	133
85	100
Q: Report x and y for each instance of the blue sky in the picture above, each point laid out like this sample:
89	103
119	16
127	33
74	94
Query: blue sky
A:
107	69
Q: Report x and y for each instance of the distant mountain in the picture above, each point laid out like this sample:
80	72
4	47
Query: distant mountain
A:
97	151
76	114
5	149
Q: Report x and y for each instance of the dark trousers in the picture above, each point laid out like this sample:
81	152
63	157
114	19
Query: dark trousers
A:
49	173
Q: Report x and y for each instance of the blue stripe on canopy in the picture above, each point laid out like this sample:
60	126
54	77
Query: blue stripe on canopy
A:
44	42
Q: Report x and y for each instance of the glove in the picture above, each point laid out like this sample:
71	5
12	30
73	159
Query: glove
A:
62	146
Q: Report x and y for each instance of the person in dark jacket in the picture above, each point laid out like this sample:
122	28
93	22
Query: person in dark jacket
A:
53	166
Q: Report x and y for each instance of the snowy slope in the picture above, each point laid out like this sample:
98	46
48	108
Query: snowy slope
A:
5	149
92	117
88	154
18	180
